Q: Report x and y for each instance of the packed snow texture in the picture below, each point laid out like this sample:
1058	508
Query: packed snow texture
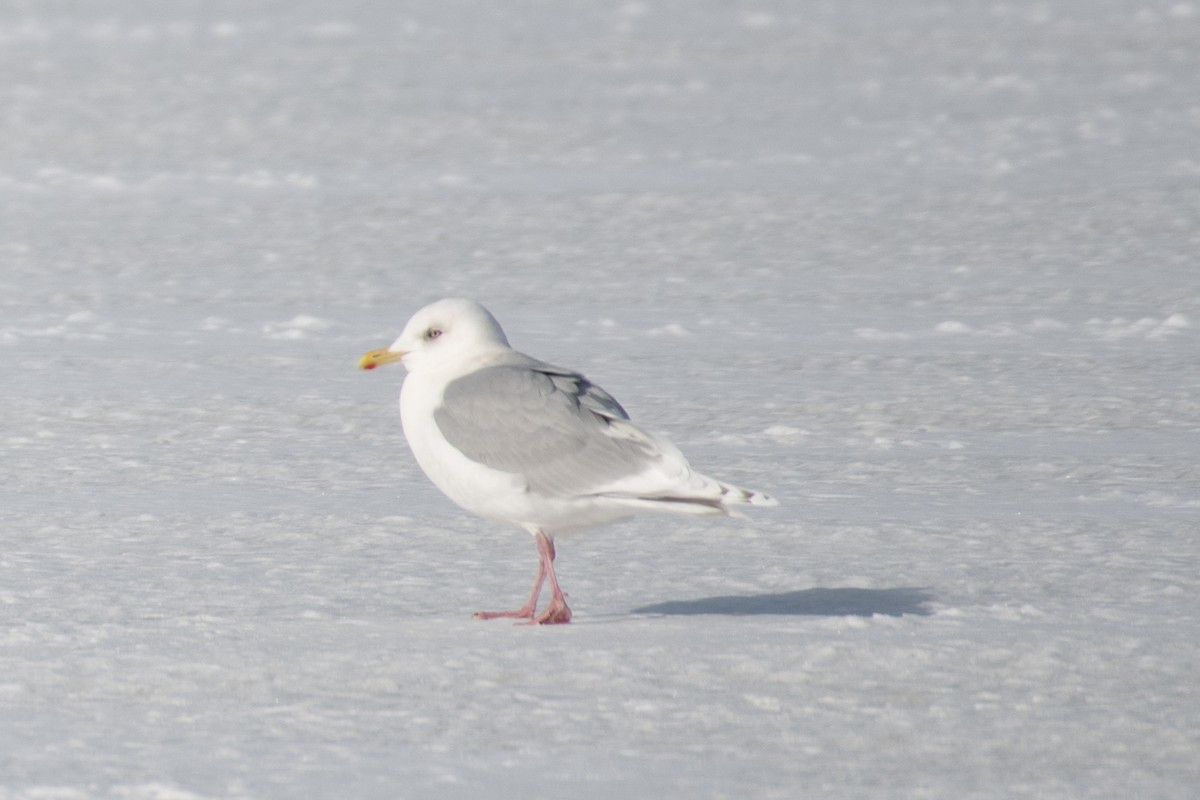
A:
926	272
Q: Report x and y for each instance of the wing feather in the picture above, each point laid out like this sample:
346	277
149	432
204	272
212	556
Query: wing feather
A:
562	433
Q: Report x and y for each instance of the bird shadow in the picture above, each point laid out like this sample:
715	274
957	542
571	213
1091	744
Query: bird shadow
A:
897	602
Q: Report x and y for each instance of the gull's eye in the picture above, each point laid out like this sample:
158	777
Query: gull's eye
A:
432	334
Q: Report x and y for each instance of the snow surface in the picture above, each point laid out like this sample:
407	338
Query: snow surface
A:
929	274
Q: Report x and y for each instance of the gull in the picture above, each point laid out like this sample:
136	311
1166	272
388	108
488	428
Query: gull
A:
519	441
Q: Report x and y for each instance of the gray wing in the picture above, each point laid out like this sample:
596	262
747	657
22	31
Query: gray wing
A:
552	426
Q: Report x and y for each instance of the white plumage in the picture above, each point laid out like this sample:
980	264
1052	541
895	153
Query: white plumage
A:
516	440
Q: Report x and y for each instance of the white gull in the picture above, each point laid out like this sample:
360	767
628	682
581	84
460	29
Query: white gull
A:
520	441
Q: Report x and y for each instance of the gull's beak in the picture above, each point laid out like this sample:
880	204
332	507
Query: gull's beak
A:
378	357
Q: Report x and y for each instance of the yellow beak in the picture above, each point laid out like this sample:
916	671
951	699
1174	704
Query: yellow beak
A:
378	357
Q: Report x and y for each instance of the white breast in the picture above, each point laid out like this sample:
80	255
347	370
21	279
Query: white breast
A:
477	488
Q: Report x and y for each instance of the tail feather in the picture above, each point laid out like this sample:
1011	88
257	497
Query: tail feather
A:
739	496
713	498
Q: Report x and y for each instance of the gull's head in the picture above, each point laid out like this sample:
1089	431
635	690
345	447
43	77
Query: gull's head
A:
441	333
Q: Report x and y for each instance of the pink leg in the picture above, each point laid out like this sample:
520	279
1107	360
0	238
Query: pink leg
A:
558	612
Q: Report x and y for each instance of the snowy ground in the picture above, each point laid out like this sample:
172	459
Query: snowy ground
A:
928	272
